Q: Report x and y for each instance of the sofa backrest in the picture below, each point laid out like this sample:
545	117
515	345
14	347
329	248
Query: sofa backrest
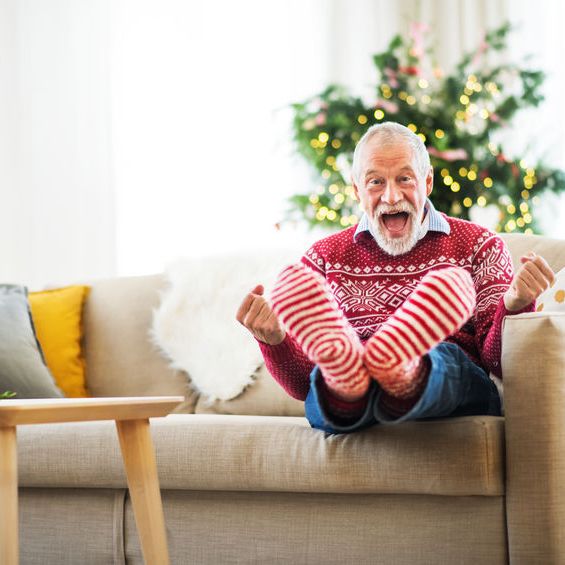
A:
552	250
122	361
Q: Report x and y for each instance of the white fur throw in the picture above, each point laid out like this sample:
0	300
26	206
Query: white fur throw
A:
195	325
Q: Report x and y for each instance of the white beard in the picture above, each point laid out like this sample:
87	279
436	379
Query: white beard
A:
396	245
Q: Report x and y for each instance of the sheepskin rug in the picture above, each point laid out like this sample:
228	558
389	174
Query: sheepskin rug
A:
195	326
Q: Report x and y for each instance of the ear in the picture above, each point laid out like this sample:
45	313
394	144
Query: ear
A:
429	181
355	189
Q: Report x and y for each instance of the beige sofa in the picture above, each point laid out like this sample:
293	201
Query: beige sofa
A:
248	481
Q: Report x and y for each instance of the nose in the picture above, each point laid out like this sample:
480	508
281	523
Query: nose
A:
392	194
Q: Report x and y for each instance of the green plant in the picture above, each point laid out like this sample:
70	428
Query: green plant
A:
456	115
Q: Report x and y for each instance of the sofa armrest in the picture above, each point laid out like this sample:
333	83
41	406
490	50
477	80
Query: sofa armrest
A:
533	366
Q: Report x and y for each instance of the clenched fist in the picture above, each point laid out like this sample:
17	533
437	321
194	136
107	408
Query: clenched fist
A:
531	279
256	314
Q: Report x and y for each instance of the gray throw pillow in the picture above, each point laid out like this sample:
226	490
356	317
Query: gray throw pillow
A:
22	365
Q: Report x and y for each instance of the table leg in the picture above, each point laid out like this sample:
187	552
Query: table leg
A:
141	470
8	496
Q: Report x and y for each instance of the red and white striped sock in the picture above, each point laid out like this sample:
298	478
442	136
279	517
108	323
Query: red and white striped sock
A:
441	303
307	309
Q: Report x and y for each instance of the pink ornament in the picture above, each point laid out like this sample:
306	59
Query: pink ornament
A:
320	119
449	154
417	30
391	76
483	46
387	106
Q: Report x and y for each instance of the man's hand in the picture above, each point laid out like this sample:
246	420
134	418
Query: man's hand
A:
532	278
257	316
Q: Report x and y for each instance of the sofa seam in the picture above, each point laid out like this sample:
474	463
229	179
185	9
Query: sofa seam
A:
487	456
118	535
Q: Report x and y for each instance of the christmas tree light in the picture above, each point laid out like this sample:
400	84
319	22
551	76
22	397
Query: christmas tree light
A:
455	115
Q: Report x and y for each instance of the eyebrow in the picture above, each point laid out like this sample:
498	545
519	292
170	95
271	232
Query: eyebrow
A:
403	169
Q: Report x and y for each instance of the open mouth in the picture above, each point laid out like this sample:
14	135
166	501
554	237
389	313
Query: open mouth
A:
396	222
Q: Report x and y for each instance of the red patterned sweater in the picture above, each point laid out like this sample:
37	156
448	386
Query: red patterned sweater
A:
369	285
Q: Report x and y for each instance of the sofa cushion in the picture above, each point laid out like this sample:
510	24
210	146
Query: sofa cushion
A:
285	528
265	397
120	358
22	364
57	316
68	526
552	250
460	456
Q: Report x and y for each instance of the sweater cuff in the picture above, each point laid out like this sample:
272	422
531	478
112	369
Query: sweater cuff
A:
529	308
343	409
502	312
281	352
397	407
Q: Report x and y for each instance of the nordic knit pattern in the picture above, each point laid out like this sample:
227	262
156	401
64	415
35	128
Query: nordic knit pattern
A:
309	312
369	286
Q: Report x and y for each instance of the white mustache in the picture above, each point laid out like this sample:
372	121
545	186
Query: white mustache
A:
401	206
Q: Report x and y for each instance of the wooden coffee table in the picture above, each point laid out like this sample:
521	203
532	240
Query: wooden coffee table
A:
132	421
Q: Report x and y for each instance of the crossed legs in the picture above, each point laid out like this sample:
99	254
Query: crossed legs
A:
395	355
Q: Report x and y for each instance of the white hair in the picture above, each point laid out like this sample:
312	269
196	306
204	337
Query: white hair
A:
388	133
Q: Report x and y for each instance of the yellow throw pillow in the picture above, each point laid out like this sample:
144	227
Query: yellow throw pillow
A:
57	316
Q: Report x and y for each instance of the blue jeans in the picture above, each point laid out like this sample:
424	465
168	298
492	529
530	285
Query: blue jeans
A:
456	387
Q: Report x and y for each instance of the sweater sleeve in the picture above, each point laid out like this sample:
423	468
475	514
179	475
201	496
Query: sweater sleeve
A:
492	275
288	366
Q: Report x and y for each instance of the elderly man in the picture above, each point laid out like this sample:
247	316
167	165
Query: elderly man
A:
399	317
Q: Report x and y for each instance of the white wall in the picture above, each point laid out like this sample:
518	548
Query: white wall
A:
201	91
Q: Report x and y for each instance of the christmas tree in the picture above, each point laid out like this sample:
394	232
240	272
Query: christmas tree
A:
455	115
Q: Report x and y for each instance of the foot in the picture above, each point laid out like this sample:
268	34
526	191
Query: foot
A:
308	311
442	302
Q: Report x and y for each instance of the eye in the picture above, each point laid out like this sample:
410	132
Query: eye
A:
375	182
405	178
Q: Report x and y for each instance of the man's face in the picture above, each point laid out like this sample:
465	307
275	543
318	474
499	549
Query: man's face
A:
392	192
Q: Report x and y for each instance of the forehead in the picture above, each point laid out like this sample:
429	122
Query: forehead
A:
376	154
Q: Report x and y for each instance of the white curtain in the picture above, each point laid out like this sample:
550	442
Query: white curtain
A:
134	132
57	218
